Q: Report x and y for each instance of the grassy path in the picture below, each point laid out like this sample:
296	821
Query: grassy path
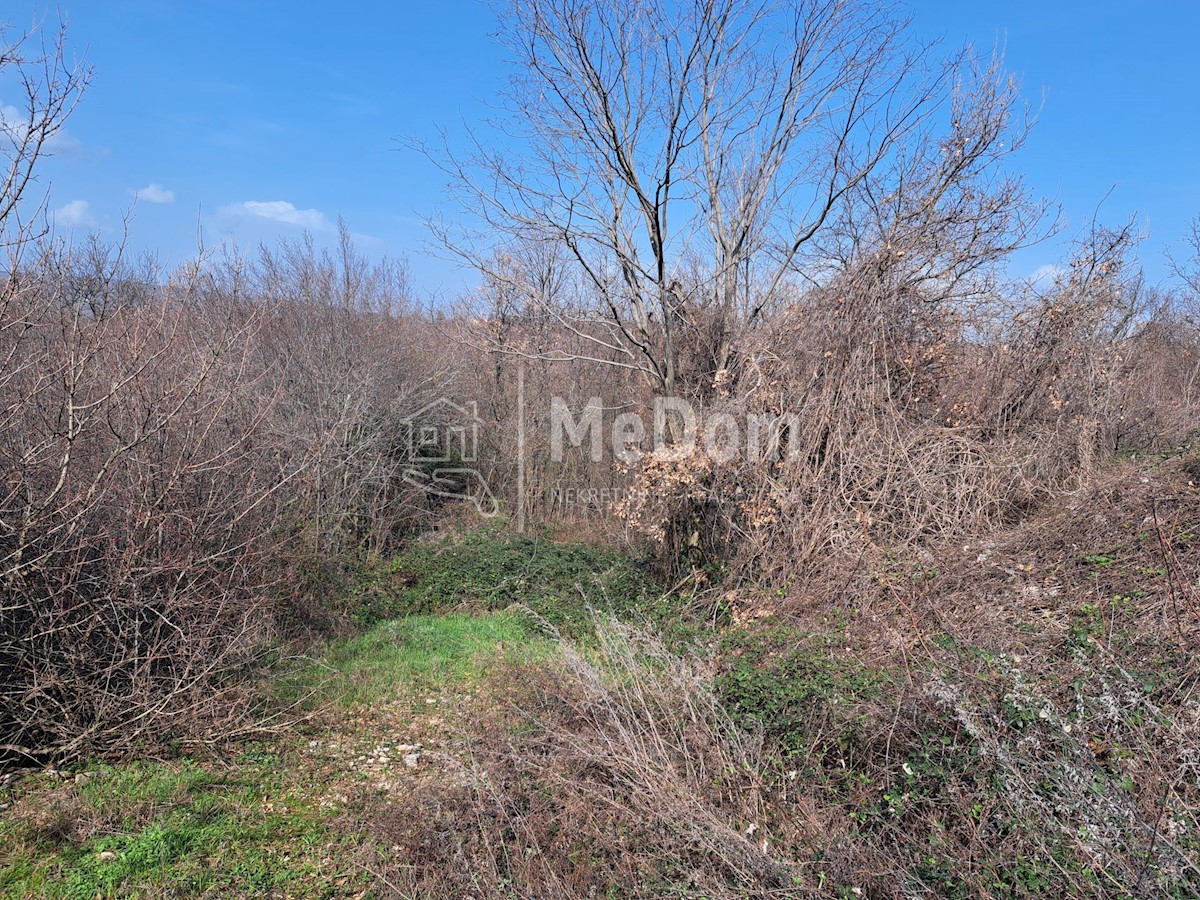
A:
271	819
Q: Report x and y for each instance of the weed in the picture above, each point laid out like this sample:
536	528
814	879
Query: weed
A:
786	683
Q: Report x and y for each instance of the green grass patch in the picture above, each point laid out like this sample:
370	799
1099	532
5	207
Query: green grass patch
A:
182	828
494	569
254	826
404	658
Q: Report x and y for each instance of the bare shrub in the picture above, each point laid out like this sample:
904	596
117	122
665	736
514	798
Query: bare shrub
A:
890	418
354	361
188	463
135	510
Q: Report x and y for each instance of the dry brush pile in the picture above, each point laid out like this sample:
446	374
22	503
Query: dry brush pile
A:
887	412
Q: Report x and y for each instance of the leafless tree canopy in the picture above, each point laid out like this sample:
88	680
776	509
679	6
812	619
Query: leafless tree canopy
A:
668	173
50	84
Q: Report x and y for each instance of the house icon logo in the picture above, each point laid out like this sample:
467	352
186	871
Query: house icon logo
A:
442	440
444	431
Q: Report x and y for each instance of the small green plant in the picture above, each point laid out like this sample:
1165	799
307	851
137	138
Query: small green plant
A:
1098	562
788	684
1087	627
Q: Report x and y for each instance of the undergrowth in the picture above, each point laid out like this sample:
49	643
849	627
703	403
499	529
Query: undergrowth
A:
1018	719
495	569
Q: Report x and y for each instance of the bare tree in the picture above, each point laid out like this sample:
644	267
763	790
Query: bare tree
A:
682	159
51	85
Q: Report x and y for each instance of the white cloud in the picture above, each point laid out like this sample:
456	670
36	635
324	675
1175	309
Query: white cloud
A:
64	142
1046	276
14	124
155	193
280	211
368	242
76	214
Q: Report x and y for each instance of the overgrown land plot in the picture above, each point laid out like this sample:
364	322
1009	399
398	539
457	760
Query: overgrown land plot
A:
747	529
1025	711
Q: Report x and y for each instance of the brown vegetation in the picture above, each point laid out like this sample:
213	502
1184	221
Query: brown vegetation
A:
956	576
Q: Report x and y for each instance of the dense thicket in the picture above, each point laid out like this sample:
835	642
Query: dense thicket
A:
192	461
187	465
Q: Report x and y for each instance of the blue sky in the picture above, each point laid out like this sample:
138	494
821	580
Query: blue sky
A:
254	120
